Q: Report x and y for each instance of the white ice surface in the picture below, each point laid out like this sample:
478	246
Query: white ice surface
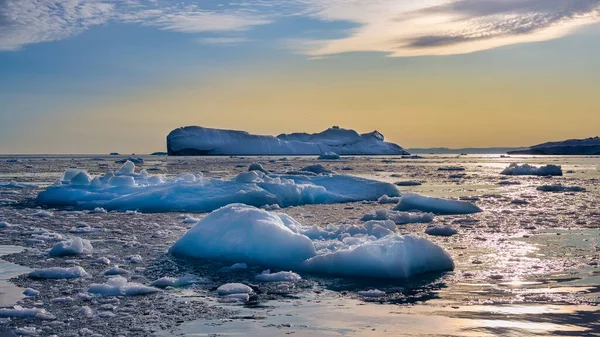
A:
206	141
233	288
74	246
414	202
182	281
515	169
118	286
131	191
59	273
282	276
244	233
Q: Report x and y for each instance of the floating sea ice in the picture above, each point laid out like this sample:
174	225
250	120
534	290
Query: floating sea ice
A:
4	224
245	233
31	292
14	184
329	156
20	312
282	276
441	230
43	214
391	257
59	273
241	233
118	286
124	191
238	266
388	200
515	169
234	298
233	288
182	281
560	188
410	202
399	218
116	270
373	293
98	210
75	246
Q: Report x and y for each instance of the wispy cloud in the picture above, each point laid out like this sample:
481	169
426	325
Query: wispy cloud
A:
24	22
224	41
395	27
441	27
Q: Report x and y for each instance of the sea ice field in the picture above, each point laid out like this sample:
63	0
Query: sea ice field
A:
434	245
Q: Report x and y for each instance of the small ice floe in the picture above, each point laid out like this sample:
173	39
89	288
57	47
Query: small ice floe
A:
399	218
441	230
27	331
451	168
182	281
388	200
135	259
118	286
20	312
30	292
271	207
59	273
408	183
102	260
85	311
116	270
62	300
131	160
282	276
190	220
238	266
14	184
234	298
4	224
515	169
560	188
233	288
411	202
329	156
373	293
98	210
75	246
43	214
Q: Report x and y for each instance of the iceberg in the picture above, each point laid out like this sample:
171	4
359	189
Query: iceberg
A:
200	141
588	147
414	202
515	169
126	190
244	233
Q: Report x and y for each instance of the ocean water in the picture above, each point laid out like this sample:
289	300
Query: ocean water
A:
527	265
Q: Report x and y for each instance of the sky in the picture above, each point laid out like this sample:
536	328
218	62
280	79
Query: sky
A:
99	76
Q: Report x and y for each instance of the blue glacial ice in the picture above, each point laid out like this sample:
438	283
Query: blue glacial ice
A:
126	190
241	233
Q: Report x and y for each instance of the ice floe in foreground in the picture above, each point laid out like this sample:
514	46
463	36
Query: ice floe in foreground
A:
414	202
127	190
515	169
182	281
75	246
239	232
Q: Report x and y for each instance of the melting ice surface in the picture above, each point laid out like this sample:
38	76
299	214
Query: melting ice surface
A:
187	192
244	233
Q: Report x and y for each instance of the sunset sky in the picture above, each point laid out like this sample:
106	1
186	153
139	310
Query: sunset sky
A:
96	76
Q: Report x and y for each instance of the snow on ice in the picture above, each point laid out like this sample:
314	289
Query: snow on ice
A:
414	202
126	190
244	233
515	169
195	140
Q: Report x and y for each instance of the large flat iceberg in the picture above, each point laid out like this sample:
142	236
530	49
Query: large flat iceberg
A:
247	234
127	190
199	141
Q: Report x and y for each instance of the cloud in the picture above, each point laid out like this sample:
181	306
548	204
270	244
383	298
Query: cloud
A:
396	27
224	41
24	22
442	27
